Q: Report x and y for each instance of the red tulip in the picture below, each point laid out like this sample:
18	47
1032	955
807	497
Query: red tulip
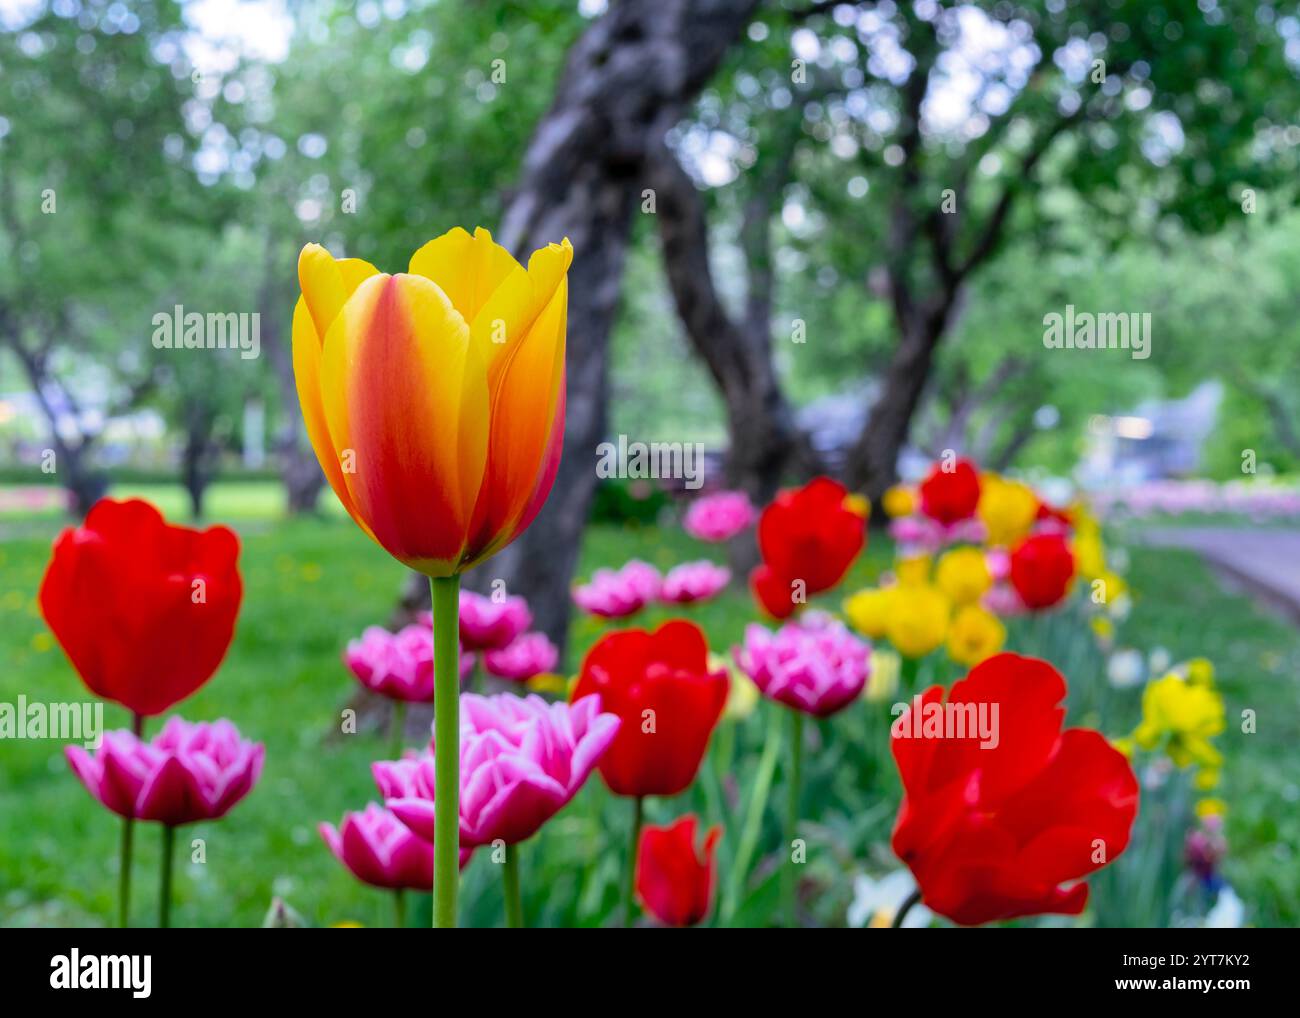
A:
144	610
669	701
951	495
808	538
1042	567
991	827
674	884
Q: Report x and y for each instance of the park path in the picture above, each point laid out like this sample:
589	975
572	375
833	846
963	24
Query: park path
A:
1265	562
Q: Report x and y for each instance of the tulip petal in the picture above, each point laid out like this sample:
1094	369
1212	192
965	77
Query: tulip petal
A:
523	416
468	269
306	376
327	283
405	399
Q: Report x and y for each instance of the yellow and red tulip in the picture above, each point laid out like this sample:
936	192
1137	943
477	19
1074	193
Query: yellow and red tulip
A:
434	399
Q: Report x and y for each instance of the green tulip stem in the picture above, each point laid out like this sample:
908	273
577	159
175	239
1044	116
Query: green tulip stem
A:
510	877
445	592
629	884
789	884
124	858
397	730
165	885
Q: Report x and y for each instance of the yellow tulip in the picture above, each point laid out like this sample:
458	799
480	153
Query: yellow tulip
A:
899	500
434	399
918	620
1210	808
975	634
963	574
868	611
884	673
913	571
1007	509
1181	718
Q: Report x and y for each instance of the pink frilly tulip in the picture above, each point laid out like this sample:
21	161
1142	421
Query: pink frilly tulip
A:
1002	600
814	665
998	561
615	594
529	655
487	624
719	517
919	534
398	665
381	851
189	772
694	581
521	760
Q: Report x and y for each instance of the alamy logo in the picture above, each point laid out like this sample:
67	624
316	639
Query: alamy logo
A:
637	460
73	971
179	329
1108	330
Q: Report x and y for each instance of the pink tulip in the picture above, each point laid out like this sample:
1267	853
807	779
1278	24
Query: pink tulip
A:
529	655
815	665
398	665
189	772
719	517
998	561
381	851
488	624
1002	600
694	581
521	761
614	595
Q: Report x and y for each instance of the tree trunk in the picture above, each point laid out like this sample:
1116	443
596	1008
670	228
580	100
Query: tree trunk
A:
85	485
873	463
196	458
764	442
299	470
627	80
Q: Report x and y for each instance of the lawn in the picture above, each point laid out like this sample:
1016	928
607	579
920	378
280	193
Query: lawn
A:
312	584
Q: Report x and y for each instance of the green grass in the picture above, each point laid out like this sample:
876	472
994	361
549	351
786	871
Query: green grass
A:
311	585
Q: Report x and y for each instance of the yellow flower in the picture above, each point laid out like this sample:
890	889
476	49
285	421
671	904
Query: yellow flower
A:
913	571
1089	552
548	682
742	696
1200	672
963	575
859	505
1107	587
899	500
918	620
882	681
1210	808
1206	778
1181	718
868	610
1007	509
1103	627
975	634
1124	745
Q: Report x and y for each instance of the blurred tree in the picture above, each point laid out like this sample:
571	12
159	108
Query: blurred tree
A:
952	118
80	226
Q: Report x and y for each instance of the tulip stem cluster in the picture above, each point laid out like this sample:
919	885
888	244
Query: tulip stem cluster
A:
445	592
165	883
629	888
758	796
793	788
